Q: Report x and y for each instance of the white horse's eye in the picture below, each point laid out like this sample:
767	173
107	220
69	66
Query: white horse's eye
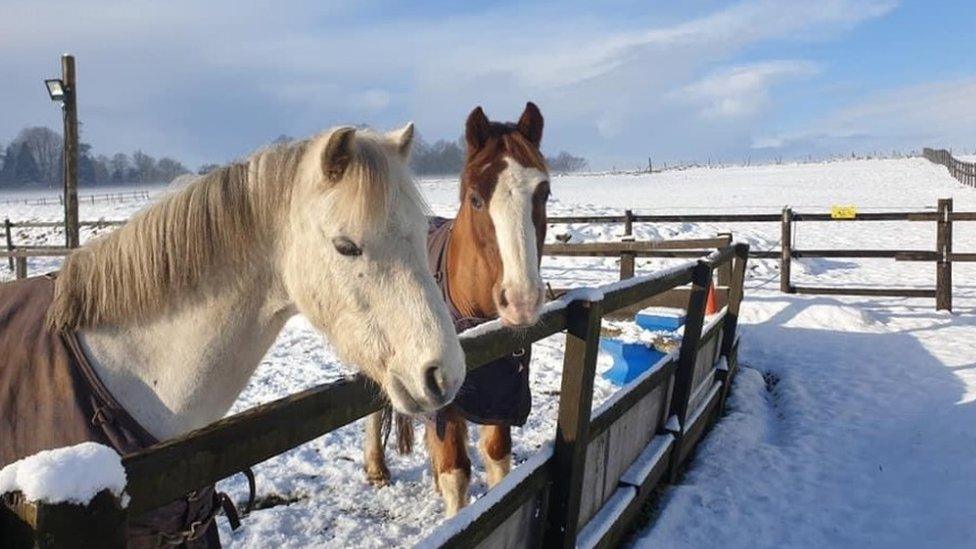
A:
346	247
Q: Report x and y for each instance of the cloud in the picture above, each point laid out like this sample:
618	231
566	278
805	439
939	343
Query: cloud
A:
210	81
940	114
741	91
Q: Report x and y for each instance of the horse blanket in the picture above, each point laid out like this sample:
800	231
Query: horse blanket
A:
51	397
498	392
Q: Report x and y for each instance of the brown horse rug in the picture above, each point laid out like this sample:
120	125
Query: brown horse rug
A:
51	397
497	393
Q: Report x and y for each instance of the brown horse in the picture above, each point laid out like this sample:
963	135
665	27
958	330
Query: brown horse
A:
487	263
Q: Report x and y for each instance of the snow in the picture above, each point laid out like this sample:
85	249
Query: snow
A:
74	474
600	524
466	516
851	423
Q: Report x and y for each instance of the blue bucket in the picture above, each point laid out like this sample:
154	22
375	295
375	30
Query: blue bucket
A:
660	322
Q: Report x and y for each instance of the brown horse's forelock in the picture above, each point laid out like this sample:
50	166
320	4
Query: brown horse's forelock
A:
483	166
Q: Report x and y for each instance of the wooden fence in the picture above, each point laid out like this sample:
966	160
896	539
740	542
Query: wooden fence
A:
965	172
585	488
122	196
942	254
17	255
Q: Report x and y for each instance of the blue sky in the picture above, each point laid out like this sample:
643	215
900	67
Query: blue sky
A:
618	81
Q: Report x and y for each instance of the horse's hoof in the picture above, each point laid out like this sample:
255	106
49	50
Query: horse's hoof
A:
379	477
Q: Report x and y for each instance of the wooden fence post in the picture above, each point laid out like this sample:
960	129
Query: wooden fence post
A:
724	275
572	426
736	291
943	247
684	374
70	151
20	270
101	523
10	241
786	252
701	280
730	330
627	259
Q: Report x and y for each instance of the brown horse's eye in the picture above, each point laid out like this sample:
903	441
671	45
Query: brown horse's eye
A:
346	247
476	202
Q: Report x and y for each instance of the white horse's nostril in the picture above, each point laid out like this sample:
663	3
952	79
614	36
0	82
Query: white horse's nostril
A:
502	298
434	381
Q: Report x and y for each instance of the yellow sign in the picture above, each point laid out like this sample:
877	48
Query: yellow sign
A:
843	212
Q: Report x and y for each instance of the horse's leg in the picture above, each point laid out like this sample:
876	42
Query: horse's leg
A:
495	447
449	460
374	461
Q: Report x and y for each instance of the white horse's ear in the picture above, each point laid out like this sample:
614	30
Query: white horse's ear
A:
404	139
338	153
530	124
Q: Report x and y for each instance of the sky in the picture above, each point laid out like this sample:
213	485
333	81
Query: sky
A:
618	81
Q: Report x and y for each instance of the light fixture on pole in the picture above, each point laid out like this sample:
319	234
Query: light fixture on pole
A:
55	89
62	90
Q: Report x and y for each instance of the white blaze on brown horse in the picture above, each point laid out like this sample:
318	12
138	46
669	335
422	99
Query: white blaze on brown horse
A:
491	264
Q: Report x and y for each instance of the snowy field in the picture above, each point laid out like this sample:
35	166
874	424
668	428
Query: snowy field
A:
852	422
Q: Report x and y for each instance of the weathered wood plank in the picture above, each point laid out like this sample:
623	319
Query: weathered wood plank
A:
573	421
943	247
880	292
595	476
630	395
526	486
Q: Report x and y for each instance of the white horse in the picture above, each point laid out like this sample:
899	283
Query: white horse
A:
175	309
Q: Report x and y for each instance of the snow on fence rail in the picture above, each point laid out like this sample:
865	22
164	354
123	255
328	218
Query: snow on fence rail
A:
586	487
965	172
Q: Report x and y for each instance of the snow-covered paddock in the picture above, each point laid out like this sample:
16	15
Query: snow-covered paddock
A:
850	425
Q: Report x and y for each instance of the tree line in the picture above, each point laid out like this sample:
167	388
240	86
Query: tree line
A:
447	158
444	157
34	158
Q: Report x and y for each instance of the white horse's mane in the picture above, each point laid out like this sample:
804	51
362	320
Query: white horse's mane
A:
222	219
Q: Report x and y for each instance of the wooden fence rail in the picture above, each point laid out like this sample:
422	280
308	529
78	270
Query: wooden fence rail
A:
629	249
650	427
89	198
965	172
942	253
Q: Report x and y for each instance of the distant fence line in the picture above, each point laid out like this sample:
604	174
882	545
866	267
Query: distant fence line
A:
88	198
965	172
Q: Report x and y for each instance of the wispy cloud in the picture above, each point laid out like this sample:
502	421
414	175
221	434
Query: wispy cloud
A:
208	81
932	114
743	90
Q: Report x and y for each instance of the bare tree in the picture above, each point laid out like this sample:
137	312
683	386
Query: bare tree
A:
44	145
565	162
119	167
145	166
168	169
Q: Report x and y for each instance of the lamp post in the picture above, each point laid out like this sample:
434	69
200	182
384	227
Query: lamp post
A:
63	91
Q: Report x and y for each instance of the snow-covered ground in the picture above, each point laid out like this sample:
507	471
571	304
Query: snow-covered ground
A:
850	424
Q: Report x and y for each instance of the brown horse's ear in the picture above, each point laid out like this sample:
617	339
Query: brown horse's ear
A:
530	123
338	153
477	129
